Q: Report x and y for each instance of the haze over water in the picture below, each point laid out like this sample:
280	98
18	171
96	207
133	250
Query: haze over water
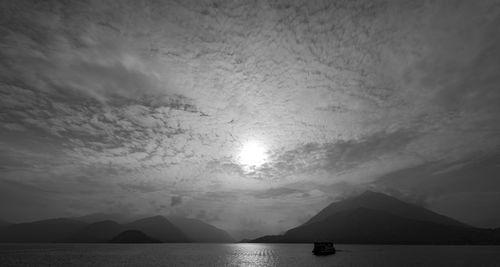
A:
243	255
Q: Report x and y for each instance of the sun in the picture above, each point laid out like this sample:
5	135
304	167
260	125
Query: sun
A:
253	154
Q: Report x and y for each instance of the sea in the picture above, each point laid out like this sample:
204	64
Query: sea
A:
290	255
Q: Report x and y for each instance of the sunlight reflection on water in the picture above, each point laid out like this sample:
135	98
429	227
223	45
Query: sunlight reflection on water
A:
253	255
289	255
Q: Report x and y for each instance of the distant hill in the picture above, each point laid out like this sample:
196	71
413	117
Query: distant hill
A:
199	231
195	230
159	228
96	232
52	230
4	223
378	201
375	218
70	230
133	236
99	217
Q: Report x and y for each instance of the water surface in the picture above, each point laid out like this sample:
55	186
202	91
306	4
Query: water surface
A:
289	255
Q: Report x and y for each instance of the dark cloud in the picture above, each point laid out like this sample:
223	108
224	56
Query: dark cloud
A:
8	161
344	155
341	190
279	192
223	196
433	185
338	156
477	174
201	215
33	187
462	63
175	200
207	216
141	187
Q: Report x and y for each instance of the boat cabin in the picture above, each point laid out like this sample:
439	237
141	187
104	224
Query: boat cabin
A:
323	248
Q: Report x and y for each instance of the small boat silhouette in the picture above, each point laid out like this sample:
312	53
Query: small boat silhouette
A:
323	248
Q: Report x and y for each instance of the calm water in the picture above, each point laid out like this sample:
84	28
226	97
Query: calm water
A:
242	255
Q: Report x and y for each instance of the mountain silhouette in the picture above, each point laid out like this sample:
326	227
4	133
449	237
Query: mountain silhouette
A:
378	201
375	218
363	225
70	230
52	230
133	236
99	217
4	223
199	231
160	228
96	232
195	230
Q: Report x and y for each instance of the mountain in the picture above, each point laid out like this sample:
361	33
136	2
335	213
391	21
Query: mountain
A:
160	228
195	230
363	225
99	217
377	218
52	230
378	201
272	239
96	232
4	223
120	218
133	236
199	231
71	230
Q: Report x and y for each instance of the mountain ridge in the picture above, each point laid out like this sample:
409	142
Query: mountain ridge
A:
375	218
379	201
50	230
160	228
98	232
70	230
201	231
133	236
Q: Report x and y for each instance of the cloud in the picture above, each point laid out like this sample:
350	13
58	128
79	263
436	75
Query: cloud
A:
14	127
175	200
336	157
279	192
437	178
139	188
434	184
207	216
158	98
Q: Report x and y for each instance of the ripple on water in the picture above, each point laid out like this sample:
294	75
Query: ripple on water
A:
289	255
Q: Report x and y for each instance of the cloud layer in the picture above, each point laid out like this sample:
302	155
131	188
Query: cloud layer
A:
143	106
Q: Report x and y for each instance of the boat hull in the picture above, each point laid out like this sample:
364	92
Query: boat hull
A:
323	248
323	253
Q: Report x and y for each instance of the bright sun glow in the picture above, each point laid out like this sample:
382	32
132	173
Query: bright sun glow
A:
253	154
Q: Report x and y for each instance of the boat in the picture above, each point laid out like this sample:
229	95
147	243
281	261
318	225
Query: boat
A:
323	248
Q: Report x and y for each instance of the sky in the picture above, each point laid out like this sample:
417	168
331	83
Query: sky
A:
249	115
